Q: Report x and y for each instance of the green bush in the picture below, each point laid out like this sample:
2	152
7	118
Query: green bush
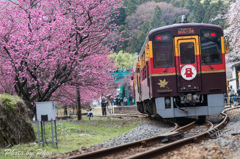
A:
14	126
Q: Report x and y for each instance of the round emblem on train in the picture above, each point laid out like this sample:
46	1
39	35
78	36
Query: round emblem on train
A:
188	72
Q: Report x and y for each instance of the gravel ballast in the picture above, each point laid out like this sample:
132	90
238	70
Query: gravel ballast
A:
226	144
143	131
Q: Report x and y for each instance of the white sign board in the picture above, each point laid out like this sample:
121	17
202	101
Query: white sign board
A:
45	108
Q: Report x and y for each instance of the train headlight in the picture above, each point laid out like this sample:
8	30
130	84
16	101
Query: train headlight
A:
189	97
167	103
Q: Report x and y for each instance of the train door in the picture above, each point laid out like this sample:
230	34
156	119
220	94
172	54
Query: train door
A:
188	64
139	86
138	82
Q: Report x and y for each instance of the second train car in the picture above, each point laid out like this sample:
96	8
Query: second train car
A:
180	71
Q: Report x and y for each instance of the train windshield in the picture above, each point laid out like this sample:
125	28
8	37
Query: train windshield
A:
187	53
163	50
210	46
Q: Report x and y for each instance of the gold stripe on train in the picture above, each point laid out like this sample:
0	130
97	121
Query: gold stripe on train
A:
170	74
216	71
165	74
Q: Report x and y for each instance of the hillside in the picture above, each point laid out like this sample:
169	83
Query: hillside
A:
140	16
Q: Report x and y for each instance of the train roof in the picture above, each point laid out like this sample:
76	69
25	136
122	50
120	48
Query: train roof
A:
174	28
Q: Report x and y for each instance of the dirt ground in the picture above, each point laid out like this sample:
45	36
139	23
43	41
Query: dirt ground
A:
97	111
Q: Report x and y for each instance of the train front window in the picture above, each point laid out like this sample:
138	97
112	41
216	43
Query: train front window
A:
187	53
163	50
210	46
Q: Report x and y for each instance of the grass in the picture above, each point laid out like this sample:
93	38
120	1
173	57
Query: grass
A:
72	135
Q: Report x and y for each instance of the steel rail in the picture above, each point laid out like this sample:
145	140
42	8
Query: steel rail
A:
186	126
112	150
166	148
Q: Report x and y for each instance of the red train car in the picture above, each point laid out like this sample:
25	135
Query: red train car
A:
180	71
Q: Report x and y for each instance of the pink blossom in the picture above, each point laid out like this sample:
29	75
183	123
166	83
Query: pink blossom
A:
50	46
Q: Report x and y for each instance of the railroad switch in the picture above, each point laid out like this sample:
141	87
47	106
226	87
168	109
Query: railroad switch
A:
172	136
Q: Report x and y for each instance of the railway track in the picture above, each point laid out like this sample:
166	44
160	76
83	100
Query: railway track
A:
155	146
146	147
168	147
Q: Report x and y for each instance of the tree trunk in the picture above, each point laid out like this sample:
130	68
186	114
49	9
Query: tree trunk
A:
31	110
79	104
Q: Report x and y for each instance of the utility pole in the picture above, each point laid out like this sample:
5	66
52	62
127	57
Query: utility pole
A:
79	113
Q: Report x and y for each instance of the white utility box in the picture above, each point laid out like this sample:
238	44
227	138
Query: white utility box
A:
45	108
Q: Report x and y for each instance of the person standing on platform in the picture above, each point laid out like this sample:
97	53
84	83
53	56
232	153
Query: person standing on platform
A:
104	106
226	98
238	95
117	101
112	101
238	92
231	92
125	101
121	101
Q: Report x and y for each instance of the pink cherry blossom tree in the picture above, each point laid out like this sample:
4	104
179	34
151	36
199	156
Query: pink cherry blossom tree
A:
92	82
46	45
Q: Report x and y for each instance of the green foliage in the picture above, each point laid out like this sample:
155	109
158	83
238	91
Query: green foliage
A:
131	6
162	1
156	20
120	20
142	34
8	101
133	42
213	10
206	4
189	4
123	43
175	3
14	124
123	59
198	12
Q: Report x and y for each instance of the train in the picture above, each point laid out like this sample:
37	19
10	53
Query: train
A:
181	72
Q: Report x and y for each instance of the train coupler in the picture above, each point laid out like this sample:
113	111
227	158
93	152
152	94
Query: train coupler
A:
185	110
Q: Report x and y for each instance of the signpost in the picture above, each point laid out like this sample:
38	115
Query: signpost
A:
46	113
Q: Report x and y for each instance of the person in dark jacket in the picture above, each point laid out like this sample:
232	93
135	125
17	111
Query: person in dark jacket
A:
121	102
104	106
226	98
238	92
117	101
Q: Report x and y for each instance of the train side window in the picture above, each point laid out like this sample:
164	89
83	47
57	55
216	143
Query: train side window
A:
187	53
163	50
210	46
